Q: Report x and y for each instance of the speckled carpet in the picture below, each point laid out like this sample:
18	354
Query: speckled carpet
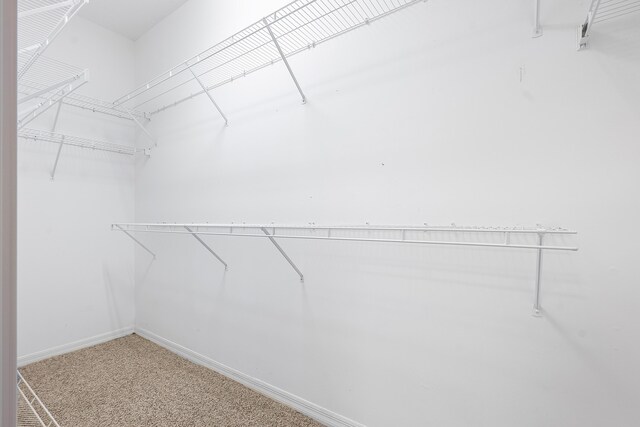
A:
134	382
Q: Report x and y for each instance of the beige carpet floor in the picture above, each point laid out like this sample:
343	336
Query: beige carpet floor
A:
134	382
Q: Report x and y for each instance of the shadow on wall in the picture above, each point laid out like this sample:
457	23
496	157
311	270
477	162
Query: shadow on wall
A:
114	317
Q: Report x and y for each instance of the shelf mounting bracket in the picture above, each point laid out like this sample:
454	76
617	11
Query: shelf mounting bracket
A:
203	243
585	28
141	126
537	28
283	253
55	164
136	240
537	309
53	129
55	120
284	59
206	91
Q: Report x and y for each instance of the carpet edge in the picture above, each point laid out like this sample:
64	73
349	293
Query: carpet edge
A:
73	346
318	413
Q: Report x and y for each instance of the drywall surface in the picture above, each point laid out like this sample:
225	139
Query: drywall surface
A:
446	112
75	277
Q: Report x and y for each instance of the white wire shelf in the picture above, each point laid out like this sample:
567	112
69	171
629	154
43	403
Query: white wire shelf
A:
49	74
75	141
45	97
39	23
602	11
31	411
297	27
532	238
100	106
47	83
48	71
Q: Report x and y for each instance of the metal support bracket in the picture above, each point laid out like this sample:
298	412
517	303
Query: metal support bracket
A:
53	129
204	88
537	28
202	242
136	240
585	28
55	164
55	120
144	129
537	309
265	231
284	59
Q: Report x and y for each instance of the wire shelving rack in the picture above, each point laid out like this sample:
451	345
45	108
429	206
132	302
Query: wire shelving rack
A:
47	83
75	141
100	106
537	239
39	23
49	75
31	411
602	11
297	27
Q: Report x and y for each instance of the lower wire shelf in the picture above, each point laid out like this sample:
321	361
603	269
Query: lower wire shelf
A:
521	238
31	411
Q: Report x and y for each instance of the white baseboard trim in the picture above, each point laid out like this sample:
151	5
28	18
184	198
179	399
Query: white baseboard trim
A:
77	345
309	409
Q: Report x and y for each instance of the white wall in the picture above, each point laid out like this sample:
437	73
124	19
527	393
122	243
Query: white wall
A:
422	117
76	276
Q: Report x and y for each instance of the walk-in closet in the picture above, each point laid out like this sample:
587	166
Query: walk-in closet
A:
343	213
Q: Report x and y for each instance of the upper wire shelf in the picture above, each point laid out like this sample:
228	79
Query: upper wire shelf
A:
39	22
611	9
299	26
602	11
75	141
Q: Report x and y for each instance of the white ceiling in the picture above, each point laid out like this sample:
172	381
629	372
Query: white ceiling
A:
131	18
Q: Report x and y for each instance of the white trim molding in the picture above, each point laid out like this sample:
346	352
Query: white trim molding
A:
73	346
322	415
